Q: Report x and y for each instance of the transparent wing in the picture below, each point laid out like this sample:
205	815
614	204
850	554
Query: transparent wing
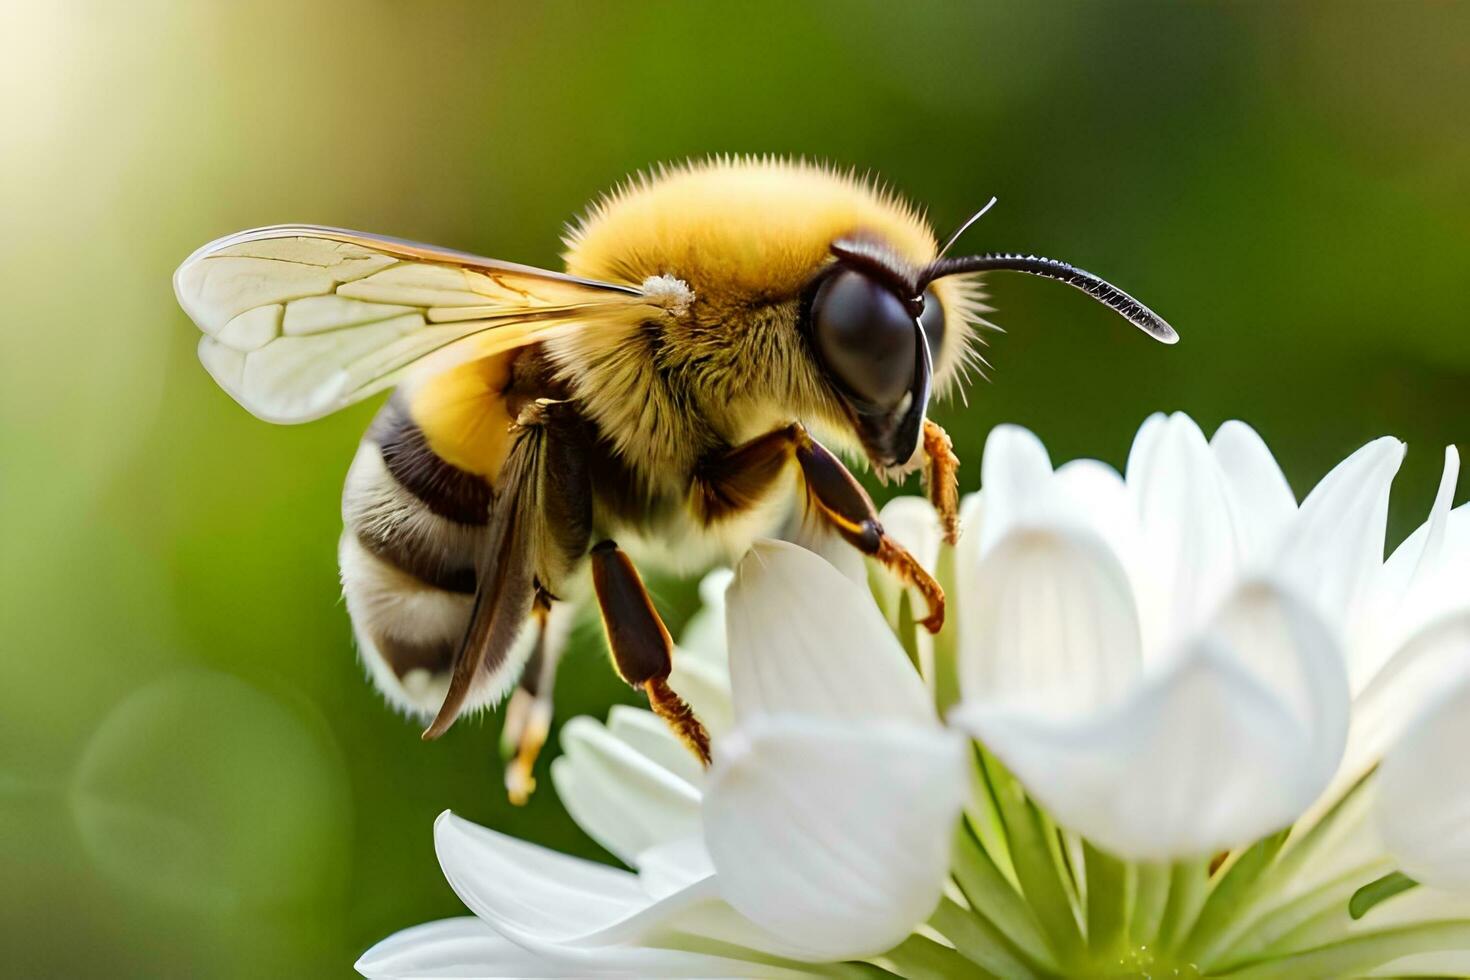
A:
301	321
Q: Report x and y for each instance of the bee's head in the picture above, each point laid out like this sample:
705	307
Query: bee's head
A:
875	335
876	325
766	242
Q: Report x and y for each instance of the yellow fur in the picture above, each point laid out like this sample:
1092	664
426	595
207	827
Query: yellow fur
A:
748	236
464	416
665	386
649	387
754	226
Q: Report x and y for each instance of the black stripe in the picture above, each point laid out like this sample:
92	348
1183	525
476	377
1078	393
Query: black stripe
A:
410	554
402	656
445	489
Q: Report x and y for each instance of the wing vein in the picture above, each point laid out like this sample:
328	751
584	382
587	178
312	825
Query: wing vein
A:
362	313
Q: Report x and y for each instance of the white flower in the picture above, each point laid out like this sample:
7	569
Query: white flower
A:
1215	732
821	776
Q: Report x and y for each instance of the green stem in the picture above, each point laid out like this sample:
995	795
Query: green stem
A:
1107	894
1302	848
906	631
921	958
1189	886
1229	896
1269	929
992	896
1150	897
1327	925
983	815
1036	866
946	681
1064	859
979	941
1248	917
1336	919
849	971
1356	954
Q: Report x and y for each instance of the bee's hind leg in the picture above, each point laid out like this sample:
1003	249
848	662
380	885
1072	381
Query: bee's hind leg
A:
640	643
528	714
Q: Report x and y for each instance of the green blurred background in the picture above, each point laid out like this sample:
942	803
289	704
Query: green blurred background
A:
195	778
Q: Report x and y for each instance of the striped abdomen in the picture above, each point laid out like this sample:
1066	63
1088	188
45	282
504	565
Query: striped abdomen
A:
413	526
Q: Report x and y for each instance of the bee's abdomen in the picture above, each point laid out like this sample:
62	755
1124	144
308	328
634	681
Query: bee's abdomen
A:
414	525
445	489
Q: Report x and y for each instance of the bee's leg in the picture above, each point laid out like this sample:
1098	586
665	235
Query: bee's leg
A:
941	479
733	480
528	714
640	643
839	498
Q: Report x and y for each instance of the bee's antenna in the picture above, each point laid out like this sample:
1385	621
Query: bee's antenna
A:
964	228
1098	288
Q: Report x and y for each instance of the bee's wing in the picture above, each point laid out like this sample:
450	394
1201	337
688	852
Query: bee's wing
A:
539	527
300	321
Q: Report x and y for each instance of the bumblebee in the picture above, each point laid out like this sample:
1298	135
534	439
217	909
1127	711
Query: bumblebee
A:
720	329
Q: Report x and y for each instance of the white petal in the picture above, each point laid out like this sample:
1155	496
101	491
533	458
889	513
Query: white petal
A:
429	946
805	640
1403	688
468	948
544	900
1416	906
529	892
1098	499
1261	501
1014	474
835	837
704	682
967	559
1457	539
1425	579
1433	555
1140	454
671	866
704	634
818	537
1213	753
912	522
1296	658
1187	529
647	734
1050	625
1333	549
623	799
1424	793
1418	558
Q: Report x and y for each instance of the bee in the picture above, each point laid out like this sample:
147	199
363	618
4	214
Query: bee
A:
722	331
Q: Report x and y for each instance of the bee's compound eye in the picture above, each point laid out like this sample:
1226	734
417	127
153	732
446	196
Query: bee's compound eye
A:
932	320
865	335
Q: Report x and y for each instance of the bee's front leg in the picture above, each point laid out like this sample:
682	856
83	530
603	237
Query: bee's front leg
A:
733	480
941	479
839	498
640	643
